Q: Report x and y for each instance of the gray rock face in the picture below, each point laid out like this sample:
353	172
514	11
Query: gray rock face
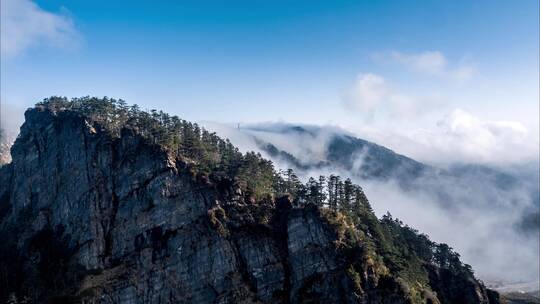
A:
89	218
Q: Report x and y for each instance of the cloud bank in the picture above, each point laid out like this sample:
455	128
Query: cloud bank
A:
461	137
24	25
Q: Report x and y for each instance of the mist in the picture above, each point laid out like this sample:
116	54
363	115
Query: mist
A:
477	210
11	119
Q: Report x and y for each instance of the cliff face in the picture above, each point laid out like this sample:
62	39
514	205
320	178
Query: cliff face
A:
90	218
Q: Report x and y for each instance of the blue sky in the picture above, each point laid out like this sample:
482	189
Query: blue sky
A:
363	65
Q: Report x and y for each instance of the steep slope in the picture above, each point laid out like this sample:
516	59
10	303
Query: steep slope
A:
94	209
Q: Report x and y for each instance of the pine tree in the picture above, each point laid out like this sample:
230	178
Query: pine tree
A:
322	195
348	192
332	193
313	192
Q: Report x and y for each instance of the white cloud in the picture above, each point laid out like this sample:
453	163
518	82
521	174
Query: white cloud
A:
431	63
461	137
11	118
24	25
371	95
483	140
368	92
462	73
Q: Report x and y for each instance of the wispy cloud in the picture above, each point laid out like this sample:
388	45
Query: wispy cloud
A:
372	95
432	63
24	25
368	92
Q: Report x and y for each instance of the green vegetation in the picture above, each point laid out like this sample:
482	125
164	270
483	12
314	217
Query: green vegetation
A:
386	244
208	153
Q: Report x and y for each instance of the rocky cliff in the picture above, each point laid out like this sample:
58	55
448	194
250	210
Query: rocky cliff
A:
88	217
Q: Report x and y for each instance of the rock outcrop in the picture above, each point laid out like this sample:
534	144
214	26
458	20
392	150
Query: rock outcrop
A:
86	217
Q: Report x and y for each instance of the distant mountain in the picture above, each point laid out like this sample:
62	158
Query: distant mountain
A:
360	157
370	161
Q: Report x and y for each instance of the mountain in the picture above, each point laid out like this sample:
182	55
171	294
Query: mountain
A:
366	160
104	203
490	213
345	152
362	158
